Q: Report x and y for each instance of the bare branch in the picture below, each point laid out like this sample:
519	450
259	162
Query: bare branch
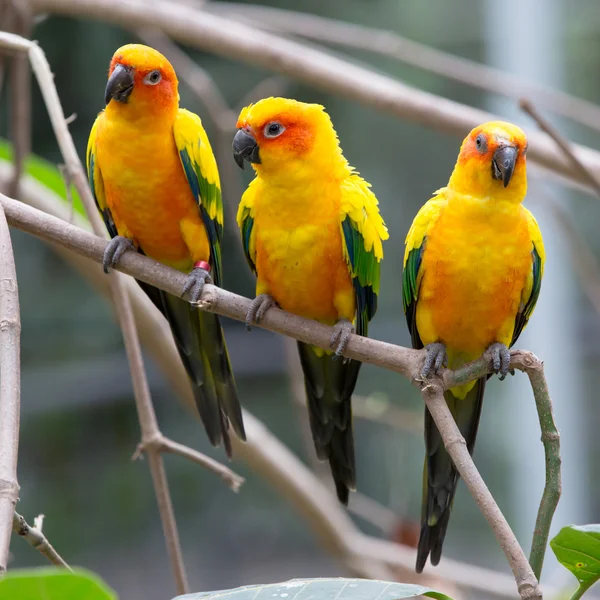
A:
145	410
10	390
562	143
401	360
553	485
163	444
228	38
433	394
35	538
264	453
421	56
20	97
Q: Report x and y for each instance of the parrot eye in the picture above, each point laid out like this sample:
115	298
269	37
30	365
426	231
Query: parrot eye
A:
153	78
481	143
274	129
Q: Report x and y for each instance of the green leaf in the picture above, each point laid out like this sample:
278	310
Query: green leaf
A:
321	589
578	549
46	173
51	583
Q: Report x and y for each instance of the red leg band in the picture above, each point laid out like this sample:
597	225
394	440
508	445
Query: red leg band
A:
202	264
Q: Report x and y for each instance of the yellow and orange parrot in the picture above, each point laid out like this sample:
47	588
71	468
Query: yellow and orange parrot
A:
312	233
473	271
156	184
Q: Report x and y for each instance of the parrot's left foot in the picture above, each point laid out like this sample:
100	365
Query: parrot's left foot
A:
258	309
436	359
194	286
114	251
340	337
500	357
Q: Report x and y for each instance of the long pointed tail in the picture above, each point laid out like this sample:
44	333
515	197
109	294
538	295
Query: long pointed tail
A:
329	385
440	477
201	345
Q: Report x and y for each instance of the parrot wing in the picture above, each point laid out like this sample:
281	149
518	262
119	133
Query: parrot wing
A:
245	220
95	179
363	231
415	246
200	167
533	284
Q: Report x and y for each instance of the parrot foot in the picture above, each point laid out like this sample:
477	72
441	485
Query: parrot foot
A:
258	309
194	285
436	359
114	251
500	358
340	337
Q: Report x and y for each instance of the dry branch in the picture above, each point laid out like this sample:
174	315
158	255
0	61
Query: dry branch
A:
234	40
421	56
36	539
10	388
264	453
402	360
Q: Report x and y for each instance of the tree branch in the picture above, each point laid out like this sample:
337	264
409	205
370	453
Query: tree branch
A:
36	539
421	56
234	40
402	360
10	388
433	394
264	453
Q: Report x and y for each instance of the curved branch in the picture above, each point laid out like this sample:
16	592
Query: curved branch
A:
234	40
10	390
265	454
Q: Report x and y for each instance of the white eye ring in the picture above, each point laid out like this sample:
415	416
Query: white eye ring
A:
273	129
153	78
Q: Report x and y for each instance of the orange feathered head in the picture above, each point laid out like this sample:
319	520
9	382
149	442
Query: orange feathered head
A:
141	79
492	162
277	132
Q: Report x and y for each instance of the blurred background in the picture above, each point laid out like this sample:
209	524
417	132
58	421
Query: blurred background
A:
79	426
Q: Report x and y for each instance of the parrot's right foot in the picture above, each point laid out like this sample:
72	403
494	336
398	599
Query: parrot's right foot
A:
500	356
114	251
436	359
258	309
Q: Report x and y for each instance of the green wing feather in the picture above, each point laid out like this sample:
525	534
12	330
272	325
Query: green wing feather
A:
363	231
201	171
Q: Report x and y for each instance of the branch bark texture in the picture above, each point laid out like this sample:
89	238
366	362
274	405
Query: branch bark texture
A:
10	388
237	41
265	454
402	360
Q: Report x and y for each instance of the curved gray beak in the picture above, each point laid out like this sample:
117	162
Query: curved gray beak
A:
120	84
503	163
245	148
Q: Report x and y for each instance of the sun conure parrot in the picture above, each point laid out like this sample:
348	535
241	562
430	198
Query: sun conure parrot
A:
312	234
155	180
473	270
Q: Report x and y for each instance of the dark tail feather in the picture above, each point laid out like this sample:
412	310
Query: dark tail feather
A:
440	477
201	345
329	385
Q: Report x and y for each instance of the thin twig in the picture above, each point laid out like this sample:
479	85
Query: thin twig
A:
433	394
553	485
35	538
235	40
10	388
421	56
163	444
264	453
401	360
20	97
141	391
561	142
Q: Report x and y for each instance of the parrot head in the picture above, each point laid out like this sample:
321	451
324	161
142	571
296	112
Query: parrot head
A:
276	133
141	79
492	162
